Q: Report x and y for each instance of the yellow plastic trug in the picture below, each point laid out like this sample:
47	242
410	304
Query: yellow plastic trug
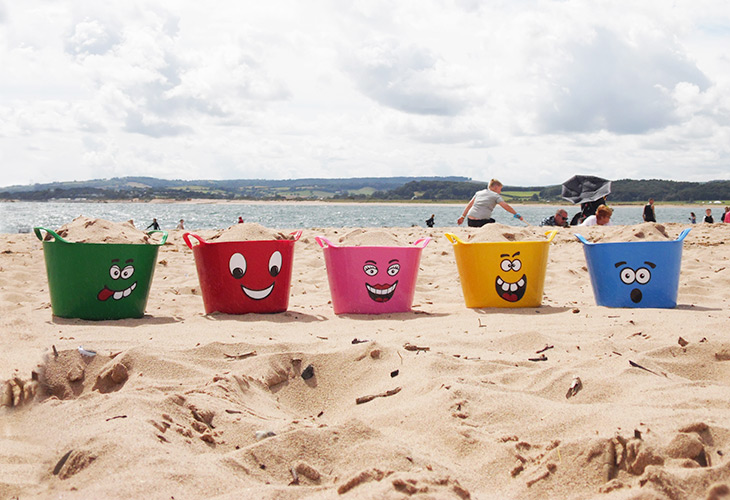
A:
502	274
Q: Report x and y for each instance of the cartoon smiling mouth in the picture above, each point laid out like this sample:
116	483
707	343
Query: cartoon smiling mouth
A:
511	292
105	292
381	293
258	294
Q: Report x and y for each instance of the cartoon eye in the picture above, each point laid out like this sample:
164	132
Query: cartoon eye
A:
237	265
506	265
114	272
628	275
643	275
516	265
393	269
370	269
275	263
127	272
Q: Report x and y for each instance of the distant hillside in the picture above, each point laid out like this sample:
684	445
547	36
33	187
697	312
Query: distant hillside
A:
628	190
359	188
257	189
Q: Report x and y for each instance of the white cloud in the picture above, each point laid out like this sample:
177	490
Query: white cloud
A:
530	92
407	78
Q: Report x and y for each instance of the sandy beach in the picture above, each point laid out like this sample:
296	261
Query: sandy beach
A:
441	402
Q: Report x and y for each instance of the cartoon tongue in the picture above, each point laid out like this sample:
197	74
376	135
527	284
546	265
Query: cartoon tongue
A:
104	294
510	297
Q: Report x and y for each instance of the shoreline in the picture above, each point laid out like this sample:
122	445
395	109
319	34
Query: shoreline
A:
206	201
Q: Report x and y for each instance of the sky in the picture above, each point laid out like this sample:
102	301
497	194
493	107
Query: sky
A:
528	92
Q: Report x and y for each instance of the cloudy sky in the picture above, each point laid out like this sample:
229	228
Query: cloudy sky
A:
529	92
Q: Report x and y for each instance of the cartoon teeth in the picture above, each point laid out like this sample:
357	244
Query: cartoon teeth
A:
381	293
511	292
258	294
106	293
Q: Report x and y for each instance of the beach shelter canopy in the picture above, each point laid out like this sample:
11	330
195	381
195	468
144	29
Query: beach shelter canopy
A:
585	188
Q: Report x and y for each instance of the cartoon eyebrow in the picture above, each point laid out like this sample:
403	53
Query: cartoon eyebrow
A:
515	254
129	260
370	262
650	263
393	260
619	264
115	260
504	255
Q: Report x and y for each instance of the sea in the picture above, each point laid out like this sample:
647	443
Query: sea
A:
22	217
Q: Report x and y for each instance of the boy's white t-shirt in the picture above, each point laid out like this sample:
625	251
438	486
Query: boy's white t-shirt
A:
484	203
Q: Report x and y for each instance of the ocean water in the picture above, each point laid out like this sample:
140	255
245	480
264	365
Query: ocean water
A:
18	217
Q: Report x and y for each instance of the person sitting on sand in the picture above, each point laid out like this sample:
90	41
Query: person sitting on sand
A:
559	219
692	218
430	221
479	210
240	219
155	225
602	217
181	224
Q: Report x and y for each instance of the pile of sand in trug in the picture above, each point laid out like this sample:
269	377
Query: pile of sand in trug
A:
646	231
501	233
86	230
249	231
365	238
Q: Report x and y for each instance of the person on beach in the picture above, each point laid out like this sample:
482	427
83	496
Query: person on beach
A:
181	224
649	215
479	210
559	219
587	209
240	219
726	216
602	217
155	225
708	217
692	218
430	221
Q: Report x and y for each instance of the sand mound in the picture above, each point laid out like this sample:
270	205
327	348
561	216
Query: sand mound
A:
86	230
371	238
248	231
647	231
501	233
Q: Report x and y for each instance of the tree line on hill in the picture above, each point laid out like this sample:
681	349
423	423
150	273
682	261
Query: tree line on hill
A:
359	189
624	190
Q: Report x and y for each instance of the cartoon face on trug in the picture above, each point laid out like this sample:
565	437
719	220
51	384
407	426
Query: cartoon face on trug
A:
382	288
509	288
257	277
121	286
635	277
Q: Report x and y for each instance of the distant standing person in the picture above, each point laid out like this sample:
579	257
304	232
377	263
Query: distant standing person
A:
602	217
155	225
181	224
708	217
559	219
430	221
692	218
649	215
726	217
479	210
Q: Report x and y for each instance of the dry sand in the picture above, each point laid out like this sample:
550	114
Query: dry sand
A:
182	405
